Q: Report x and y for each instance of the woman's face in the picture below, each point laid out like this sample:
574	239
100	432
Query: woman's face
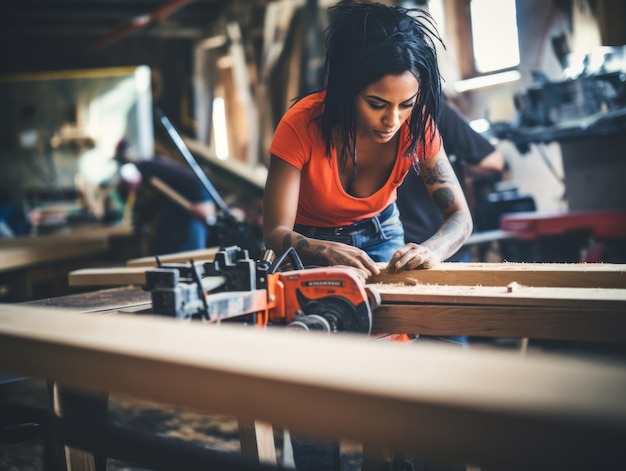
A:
383	106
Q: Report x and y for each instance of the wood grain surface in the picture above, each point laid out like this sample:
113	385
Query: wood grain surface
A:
482	407
574	275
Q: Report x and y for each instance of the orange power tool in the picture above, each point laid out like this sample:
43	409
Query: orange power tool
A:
235	288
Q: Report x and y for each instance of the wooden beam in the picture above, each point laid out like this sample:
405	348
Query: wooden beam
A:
170	193
112	276
451	274
582	314
575	275
16	257
22	252
199	255
492	408
572	298
553	323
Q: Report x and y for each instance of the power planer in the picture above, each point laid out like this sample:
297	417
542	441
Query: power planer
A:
236	288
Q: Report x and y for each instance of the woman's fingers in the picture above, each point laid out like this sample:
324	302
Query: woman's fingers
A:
342	254
411	257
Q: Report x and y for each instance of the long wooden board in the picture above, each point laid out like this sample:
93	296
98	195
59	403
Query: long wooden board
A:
466	274
574	275
553	323
23	252
582	314
199	255
112	276
573	298
15	257
483	408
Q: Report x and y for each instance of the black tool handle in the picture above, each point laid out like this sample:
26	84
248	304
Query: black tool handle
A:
184	150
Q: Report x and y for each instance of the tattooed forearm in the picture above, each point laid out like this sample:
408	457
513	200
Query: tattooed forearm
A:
286	242
449	238
441	173
443	198
308	252
302	244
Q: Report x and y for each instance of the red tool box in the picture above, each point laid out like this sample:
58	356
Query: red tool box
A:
533	225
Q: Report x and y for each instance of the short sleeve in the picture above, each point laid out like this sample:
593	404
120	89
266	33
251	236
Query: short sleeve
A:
287	144
298	132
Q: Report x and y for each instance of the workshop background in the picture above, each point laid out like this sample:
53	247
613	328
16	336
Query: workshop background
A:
545	80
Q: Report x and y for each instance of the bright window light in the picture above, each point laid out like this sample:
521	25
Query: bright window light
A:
494	34
490	80
219	128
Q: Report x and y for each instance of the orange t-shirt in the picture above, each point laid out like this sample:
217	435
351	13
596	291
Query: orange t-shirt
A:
323	201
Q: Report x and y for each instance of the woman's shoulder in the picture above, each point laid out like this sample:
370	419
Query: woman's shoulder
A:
309	106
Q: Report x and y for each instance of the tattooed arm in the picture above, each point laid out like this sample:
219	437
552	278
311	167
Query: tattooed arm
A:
280	204
447	194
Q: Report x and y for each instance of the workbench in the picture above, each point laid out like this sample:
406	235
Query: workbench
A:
36	267
576	302
494	409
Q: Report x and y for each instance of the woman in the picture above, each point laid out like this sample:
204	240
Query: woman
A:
339	154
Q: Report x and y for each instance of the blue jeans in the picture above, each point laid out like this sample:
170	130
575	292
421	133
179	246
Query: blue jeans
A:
379	236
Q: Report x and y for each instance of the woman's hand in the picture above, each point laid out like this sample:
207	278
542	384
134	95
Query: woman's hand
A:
411	257
323	252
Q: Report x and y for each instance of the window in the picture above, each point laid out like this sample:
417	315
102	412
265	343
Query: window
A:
494	35
482	35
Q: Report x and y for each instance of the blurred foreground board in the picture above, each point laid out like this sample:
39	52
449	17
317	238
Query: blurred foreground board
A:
487	408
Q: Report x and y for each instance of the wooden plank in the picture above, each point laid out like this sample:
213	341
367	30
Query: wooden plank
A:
574	275
172	194
479	276
502	321
78	242
69	235
112	276
488	408
16	257
573	298
583	314
199	255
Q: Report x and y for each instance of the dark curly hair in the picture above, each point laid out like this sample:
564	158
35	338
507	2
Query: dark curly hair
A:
366	41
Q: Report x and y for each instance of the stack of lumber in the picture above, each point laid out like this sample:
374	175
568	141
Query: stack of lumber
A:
544	301
523	300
